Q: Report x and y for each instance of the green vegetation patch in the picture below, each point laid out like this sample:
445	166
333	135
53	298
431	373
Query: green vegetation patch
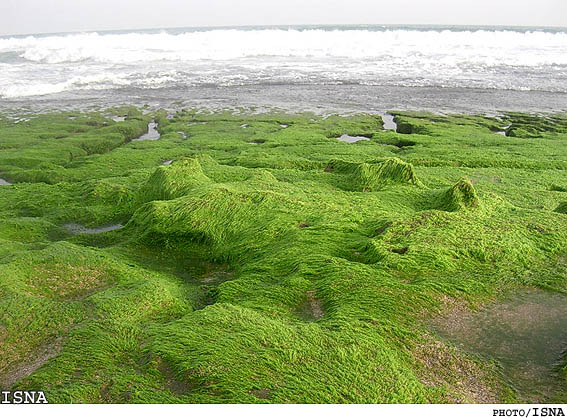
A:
259	259
460	196
561	208
374	176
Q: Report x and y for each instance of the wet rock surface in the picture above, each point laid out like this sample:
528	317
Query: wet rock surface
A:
525	333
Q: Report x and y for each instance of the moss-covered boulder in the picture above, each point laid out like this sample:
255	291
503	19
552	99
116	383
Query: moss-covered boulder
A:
173	181
460	196
374	176
235	223
523	132
409	126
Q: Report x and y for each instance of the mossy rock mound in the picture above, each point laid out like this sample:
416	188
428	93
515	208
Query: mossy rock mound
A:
460	196
232	221
562	208
558	188
406	126
46	172
532	126
130	129
523	132
173	181
374	176
262	179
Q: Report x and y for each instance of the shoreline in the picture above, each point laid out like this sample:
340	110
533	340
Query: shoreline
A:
317	99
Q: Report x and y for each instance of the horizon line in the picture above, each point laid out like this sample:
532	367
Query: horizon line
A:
318	25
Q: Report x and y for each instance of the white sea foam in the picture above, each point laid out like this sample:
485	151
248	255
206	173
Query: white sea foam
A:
501	59
486	47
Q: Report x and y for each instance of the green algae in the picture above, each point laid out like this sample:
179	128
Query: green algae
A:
460	196
173	181
298	269
374	176
561	208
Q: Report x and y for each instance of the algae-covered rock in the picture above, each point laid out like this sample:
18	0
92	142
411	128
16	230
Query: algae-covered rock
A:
460	196
524	132
405	126
173	181
232	221
46	172
532	126
562	208
261	178
374	175
558	188
106	192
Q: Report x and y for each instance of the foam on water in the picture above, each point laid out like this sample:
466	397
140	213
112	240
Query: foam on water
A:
478	58
489	47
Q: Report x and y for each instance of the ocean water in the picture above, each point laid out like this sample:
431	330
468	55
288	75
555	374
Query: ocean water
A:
343	67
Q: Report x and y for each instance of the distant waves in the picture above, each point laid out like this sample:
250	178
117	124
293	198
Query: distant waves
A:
510	60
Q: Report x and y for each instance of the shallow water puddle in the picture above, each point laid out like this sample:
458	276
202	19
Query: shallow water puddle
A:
351	139
118	119
77	229
208	283
311	308
216	277
389	123
526	334
152	133
167	162
4	182
504	129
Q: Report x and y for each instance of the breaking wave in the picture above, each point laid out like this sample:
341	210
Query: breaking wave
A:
482	58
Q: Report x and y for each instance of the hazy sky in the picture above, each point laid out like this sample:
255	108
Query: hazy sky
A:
37	16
